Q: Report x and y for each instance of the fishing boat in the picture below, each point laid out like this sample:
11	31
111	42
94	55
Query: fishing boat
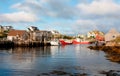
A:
54	42
65	42
79	41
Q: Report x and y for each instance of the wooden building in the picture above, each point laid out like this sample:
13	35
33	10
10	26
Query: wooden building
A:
17	35
40	36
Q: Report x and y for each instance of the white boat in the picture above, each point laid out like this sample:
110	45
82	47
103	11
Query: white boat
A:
54	42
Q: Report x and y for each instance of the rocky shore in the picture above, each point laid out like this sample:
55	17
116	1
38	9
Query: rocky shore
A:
61	73
112	52
111	73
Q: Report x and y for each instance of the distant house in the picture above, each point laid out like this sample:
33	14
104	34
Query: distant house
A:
100	37
7	28
94	34
17	35
91	34
55	34
111	35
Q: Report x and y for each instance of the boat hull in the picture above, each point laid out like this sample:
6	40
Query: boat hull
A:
63	42
80	42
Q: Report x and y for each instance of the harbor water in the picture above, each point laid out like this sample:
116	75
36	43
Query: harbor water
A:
44	60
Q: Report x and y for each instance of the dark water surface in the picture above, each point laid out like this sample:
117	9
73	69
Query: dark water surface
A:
70	58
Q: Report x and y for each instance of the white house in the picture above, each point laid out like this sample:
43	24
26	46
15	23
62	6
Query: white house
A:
7	28
55	32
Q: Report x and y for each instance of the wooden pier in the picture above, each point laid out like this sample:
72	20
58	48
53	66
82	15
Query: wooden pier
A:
5	44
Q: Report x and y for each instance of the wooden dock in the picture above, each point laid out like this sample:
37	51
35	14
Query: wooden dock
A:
23	44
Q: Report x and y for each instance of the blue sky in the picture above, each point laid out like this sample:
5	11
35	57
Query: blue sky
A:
66	16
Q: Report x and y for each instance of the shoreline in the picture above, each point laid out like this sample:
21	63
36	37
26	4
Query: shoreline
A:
112	52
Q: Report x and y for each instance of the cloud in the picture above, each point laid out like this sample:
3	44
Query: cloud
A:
98	14
100	7
28	6
62	9
18	17
72	15
85	22
84	26
49	8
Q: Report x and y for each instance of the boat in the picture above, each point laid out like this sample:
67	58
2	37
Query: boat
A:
65	42
79	41
54	42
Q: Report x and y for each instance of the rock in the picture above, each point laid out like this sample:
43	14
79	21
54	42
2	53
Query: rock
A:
58	72
78	74
113	73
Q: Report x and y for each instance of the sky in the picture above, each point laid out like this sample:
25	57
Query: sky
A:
66	16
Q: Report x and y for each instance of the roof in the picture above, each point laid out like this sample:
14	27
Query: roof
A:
16	32
113	31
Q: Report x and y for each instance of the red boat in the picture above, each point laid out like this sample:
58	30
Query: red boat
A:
78	41
65	42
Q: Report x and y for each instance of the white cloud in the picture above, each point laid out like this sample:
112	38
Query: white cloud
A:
83	26
18	17
19	6
85	22
28	6
49	8
100	7
80	16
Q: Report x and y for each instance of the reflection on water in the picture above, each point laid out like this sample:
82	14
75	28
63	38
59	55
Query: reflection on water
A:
70	58
26	54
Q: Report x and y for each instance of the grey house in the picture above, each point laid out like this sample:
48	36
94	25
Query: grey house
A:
111	35
40	35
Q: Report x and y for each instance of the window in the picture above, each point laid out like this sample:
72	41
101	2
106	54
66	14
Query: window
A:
113	36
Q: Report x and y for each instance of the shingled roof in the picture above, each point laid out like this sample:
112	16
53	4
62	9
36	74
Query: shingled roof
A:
16	32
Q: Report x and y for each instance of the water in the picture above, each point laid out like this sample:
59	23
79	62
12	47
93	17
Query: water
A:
70	58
